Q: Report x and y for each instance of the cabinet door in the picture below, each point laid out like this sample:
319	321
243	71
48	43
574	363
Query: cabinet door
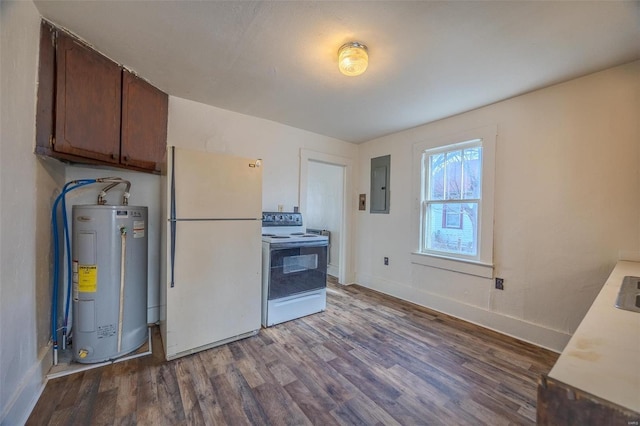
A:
144	123
87	102
45	119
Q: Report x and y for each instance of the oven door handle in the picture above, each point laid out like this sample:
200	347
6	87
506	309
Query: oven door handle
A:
279	246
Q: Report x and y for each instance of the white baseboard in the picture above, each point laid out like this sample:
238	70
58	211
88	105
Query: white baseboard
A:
27	395
536	334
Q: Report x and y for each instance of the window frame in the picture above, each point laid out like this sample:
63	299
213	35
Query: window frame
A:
481	264
426	200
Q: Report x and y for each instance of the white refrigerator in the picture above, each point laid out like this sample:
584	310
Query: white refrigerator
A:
211	261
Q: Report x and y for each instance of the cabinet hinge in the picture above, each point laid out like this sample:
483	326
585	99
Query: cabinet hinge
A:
52	141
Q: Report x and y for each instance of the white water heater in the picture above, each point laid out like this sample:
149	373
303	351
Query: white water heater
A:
109	259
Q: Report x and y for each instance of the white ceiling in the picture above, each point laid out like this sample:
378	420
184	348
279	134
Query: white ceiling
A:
428	59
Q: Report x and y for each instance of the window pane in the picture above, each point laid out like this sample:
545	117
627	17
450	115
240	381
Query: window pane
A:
452	216
443	236
472	170
454	175
436	177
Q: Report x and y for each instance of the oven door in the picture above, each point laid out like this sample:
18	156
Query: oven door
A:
296	268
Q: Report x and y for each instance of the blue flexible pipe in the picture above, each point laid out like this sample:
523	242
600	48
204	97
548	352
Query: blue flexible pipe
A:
68	251
56	255
54	291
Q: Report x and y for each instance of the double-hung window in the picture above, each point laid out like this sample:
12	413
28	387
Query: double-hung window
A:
455	177
453	199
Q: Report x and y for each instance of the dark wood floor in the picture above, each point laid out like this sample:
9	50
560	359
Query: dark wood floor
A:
369	359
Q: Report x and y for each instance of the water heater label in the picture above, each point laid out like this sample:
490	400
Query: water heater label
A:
106	331
122	214
138	228
88	278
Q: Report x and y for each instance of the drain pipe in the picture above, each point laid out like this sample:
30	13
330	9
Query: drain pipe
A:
123	250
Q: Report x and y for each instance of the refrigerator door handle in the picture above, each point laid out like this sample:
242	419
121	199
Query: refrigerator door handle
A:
172	218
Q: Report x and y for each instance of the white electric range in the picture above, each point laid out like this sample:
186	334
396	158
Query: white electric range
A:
294	269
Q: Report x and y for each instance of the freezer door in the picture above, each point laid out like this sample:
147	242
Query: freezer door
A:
205	185
217	291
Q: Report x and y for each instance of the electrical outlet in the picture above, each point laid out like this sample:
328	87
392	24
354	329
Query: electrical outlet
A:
500	283
386	261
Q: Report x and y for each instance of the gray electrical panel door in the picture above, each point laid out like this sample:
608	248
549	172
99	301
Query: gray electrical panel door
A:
380	179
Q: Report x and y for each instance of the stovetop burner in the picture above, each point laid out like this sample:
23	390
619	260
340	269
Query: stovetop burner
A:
277	227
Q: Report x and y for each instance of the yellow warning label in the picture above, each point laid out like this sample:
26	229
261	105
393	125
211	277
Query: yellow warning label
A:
88	278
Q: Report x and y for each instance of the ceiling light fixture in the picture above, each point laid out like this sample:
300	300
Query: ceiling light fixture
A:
353	58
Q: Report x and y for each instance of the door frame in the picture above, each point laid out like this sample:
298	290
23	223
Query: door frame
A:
345	267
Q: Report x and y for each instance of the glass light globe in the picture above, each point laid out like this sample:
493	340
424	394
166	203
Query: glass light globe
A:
353	58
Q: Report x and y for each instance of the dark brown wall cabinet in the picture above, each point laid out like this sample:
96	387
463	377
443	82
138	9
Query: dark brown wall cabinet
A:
92	111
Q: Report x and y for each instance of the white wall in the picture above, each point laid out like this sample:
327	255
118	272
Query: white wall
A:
27	186
324	205
202	127
567	200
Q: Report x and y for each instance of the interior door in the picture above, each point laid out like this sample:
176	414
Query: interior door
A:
218	186
380	180
217	284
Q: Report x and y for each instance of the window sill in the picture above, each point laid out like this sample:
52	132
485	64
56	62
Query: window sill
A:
463	266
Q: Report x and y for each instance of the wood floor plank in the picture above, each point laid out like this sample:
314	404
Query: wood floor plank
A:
50	402
231	407
216	360
360	410
105	410
335	386
281	372
169	400
244	392
498	404
149	415
209	404
278	406
72	390
410	384
127	390
188	394
85	405
248	370
60	417
314	408
368	359
128	420
375	387
147	387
